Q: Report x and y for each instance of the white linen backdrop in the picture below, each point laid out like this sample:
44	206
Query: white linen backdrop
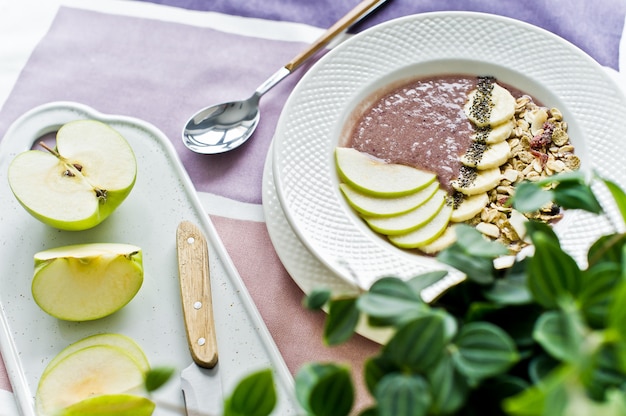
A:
23	24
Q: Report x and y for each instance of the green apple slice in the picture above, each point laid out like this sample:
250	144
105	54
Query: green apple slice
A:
425	234
384	207
377	178
88	372
86	281
81	182
470	207
404	223
445	240
119	341
111	404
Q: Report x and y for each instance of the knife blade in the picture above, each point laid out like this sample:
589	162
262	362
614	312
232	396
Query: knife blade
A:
200	382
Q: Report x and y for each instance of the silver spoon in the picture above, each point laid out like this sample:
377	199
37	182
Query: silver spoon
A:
224	127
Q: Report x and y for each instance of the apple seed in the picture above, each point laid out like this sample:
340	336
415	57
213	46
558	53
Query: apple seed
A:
102	195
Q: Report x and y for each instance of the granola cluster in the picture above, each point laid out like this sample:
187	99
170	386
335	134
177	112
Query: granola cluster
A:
540	147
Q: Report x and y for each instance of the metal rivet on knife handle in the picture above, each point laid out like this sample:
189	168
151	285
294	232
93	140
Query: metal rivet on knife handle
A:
195	290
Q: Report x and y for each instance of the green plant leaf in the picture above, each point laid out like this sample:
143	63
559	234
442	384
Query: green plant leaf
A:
544	399
561	334
477	269
375	368
483	350
449	389
605	372
607	249
618	195
255	395
403	395
474	243
540	365
511	289
530	196
317	298
472	254
391	300
552	273
576	195
422	281
343	317
417	344
617	310
599	282
325	389
157	377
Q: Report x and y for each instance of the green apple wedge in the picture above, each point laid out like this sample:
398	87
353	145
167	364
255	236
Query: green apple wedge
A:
84	282
119	341
80	182
445	240
373	206
427	233
377	178
111	404
92	371
409	221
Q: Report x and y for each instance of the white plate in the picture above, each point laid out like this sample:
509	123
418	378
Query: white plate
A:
531	59
163	196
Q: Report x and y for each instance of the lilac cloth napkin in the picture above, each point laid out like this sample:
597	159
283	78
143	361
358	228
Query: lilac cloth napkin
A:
594	26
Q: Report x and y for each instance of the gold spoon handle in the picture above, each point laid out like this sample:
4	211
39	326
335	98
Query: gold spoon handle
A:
342	24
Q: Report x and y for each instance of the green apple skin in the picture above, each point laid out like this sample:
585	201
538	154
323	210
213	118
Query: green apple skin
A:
128	345
111	404
376	178
91	371
78	185
84	282
368	205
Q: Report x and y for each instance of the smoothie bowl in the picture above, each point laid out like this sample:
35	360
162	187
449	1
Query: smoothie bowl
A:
332	98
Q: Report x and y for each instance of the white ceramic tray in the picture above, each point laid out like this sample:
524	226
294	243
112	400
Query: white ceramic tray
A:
163	196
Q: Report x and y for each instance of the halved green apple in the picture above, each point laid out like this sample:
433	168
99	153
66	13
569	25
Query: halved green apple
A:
86	281
79	183
89	372
377	178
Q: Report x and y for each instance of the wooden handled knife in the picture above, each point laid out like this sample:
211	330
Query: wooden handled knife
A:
200	382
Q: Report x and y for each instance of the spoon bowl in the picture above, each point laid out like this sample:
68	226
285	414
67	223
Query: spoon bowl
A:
224	127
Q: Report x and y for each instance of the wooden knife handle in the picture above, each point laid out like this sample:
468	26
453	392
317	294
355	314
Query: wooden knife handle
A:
195	291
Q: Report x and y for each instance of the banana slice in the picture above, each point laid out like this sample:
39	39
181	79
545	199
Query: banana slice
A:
495	134
470	207
425	234
489	106
403	223
482	181
442	242
489	156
